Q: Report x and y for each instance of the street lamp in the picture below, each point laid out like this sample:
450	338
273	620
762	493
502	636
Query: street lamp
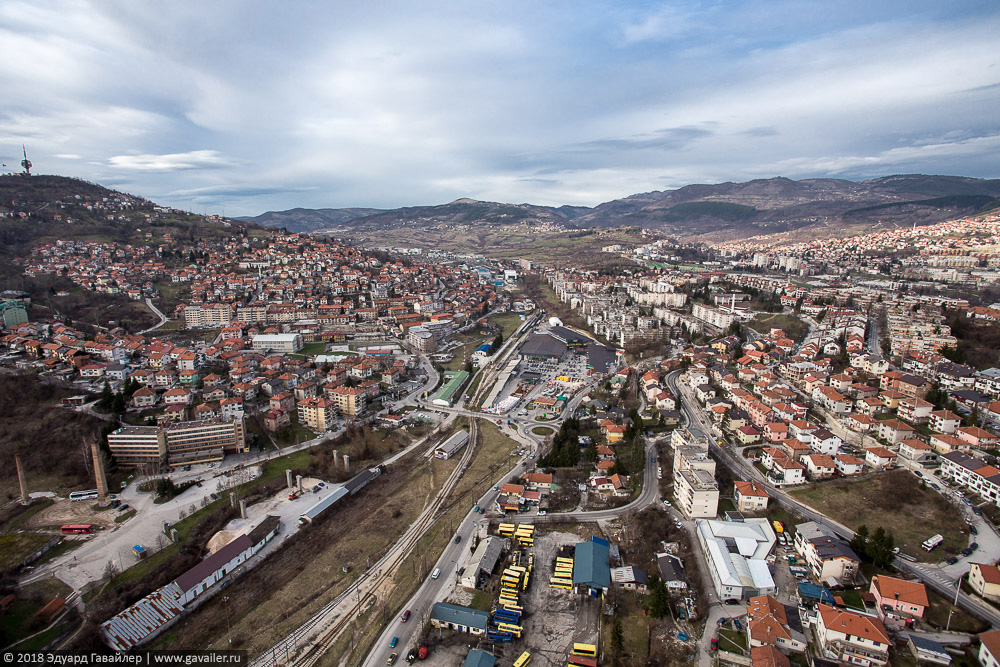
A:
958	588
229	627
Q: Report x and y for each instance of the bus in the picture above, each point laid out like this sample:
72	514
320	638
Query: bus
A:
512	607
512	584
83	495
567	561
565	584
526	541
564	568
506	529
77	529
511	628
523	660
586	650
778	527
581	661
931	543
517	568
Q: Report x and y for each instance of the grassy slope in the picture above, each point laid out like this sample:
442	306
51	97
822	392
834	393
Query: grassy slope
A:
897	502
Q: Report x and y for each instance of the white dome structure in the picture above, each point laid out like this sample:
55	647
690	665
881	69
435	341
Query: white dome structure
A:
555	322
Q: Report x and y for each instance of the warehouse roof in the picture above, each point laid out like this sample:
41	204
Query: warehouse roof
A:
590	565
543	345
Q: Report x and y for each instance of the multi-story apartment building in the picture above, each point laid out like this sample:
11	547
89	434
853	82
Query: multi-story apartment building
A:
971	472
697	493
208	315
317	413
137	446
826	555
349	401
204	441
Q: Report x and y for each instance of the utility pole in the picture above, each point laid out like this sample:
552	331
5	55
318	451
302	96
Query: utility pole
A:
958	588
229	627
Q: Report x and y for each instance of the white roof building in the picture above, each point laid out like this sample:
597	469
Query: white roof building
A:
736	553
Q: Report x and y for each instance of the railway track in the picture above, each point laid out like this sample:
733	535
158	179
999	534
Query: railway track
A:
367	587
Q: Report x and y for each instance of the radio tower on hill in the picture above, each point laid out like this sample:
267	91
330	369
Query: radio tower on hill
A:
26	163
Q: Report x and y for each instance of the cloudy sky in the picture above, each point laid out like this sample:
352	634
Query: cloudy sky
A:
243	107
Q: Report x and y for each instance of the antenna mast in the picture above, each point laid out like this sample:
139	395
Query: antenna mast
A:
26	163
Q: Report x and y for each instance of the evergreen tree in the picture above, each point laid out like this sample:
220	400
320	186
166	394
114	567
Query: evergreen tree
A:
617	638
859	543
659	598
118	405
106	401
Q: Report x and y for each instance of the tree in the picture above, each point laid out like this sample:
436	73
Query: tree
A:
118	404
497	342
617	638
859	543
107	398
659	598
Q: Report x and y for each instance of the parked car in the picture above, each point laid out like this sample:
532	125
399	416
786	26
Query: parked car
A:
458	538
392	659
952	560
405	617
123	507
972	529
715	644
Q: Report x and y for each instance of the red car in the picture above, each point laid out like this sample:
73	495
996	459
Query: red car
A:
715	644
405	617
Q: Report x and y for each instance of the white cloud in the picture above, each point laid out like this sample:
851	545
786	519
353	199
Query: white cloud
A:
564	102
203	159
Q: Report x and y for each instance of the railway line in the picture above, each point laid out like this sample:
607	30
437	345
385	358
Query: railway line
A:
365	590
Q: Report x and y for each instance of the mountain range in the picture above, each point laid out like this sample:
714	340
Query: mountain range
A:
817	207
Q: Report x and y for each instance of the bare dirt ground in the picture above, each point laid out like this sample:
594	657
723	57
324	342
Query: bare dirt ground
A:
66	511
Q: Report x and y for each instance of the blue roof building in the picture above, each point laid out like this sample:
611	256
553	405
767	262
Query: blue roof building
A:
456	617
477	658
591	567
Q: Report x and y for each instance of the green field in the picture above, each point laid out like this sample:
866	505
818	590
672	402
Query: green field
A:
795	328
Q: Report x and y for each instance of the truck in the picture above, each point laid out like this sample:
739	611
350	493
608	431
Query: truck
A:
294	494
932	543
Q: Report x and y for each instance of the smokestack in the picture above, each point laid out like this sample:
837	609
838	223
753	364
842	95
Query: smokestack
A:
335	457
173	535
298	481
22	480
232	499
243	509
99	476
347	463
288	478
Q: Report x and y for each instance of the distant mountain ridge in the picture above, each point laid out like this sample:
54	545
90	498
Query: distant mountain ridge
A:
311	219
760	206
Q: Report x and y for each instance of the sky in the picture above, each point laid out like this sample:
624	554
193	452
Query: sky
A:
243	107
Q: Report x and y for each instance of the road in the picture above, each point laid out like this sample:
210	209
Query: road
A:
156	311
937	577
